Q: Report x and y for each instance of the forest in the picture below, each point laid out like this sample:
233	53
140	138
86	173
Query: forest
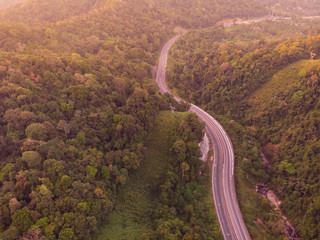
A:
265	90
73	125
80	103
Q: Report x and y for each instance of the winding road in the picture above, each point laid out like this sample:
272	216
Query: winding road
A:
226	203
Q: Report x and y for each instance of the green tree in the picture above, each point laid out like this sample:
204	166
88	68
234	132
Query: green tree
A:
180	148
91	171
10	234
22	220
105	171
37	131
5	171
32	158
65	182
67	234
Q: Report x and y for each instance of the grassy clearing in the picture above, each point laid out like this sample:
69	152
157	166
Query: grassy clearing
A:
280	82
131	216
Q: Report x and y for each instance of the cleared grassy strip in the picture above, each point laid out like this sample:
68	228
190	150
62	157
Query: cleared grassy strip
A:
280	82
131	216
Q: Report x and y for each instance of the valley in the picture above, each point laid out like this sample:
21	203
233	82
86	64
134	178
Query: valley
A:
246	108
92	146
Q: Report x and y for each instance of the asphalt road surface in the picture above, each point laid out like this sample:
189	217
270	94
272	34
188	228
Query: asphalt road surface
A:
226	204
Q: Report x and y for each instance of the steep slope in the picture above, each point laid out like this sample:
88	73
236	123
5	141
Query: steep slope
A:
77	105
267	101
78	102
289	126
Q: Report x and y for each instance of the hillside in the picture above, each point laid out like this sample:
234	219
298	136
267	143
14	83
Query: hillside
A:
295	8
187	13
265	92
78	103
6	3
278	86
290	141
145	199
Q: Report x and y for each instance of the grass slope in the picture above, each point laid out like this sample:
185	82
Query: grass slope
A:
279	83
261	100
132	214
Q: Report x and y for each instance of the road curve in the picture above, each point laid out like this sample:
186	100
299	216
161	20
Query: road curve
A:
226	204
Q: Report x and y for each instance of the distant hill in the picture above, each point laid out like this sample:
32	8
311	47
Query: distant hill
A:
6	3
38	11
294	7
203	13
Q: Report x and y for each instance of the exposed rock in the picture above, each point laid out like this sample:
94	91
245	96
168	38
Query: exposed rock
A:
275	203
154	70
264	159
204	147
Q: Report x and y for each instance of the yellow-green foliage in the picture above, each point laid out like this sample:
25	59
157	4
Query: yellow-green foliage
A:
267	96
280	82
138	212
132	213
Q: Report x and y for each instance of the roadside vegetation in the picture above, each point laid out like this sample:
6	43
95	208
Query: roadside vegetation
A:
78	103
147	208
265	92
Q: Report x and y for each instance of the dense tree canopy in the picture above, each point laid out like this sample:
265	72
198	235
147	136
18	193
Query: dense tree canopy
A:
79	99
187	13
267	93
77	107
